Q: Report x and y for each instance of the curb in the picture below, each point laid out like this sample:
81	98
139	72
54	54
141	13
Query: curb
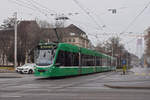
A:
126	87
7	71
10	77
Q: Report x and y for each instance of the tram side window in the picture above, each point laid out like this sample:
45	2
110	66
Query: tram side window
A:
113	62
98	61
71	59
108	62
75	59
87	60
104	62
61	58
101	61
66	58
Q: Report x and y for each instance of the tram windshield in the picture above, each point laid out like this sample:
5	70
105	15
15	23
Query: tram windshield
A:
44	57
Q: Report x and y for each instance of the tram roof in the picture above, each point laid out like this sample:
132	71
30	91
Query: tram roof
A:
74	48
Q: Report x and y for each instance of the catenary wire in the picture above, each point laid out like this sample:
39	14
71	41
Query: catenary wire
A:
132	22
87	13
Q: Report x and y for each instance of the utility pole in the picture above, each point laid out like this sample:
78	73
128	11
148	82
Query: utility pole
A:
60	20
58	38
15	40
127	60
112	54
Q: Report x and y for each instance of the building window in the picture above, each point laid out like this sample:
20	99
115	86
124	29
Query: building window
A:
69	40
65	40
73	40
83	41
72	34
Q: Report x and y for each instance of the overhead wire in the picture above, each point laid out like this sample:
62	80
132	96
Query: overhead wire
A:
20	4
36	7
29	5
25	5
100	19
87	13
132	22
84	23
44	7
33	5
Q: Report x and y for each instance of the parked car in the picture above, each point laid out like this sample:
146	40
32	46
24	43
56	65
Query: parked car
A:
26	68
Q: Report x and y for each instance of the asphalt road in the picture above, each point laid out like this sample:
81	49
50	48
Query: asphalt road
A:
89	87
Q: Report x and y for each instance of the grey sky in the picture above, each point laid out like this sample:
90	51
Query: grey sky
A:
115	23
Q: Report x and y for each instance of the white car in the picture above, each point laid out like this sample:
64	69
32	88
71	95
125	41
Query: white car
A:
26	68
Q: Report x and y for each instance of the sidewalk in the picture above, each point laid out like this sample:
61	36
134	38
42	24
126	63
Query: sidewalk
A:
136	85
6	71
128	81
10	75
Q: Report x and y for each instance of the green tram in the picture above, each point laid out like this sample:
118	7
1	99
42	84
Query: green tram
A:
62	59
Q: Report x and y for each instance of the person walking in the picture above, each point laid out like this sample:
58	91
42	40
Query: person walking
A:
124	69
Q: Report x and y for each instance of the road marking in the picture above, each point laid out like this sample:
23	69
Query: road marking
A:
142	74
136	73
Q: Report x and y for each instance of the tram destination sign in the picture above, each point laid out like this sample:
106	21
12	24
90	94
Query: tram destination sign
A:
45	46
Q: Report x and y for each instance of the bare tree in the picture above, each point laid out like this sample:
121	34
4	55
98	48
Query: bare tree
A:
44	24
28	38
114	48
8	23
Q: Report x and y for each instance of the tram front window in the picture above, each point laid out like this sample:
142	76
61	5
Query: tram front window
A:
45	57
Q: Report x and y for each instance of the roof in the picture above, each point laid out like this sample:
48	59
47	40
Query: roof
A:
25	28
6	34
73	48
28	25
51	33
64	32
74	29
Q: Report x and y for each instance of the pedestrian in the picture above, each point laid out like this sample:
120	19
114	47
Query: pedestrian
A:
124	69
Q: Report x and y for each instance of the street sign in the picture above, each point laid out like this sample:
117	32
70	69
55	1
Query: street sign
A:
123	62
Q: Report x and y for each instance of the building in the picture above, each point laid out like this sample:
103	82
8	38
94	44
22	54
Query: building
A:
76	36
30	34
71	34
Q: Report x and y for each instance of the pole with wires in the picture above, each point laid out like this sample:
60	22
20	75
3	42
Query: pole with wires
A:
15	40
112	53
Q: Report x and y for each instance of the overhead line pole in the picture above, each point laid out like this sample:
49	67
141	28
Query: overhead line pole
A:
15	40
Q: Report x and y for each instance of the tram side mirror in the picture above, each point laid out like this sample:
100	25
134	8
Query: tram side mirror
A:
57	64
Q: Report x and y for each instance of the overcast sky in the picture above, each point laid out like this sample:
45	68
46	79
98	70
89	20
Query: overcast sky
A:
127	10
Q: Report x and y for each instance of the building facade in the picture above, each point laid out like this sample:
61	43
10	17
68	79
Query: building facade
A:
30	34
75	36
